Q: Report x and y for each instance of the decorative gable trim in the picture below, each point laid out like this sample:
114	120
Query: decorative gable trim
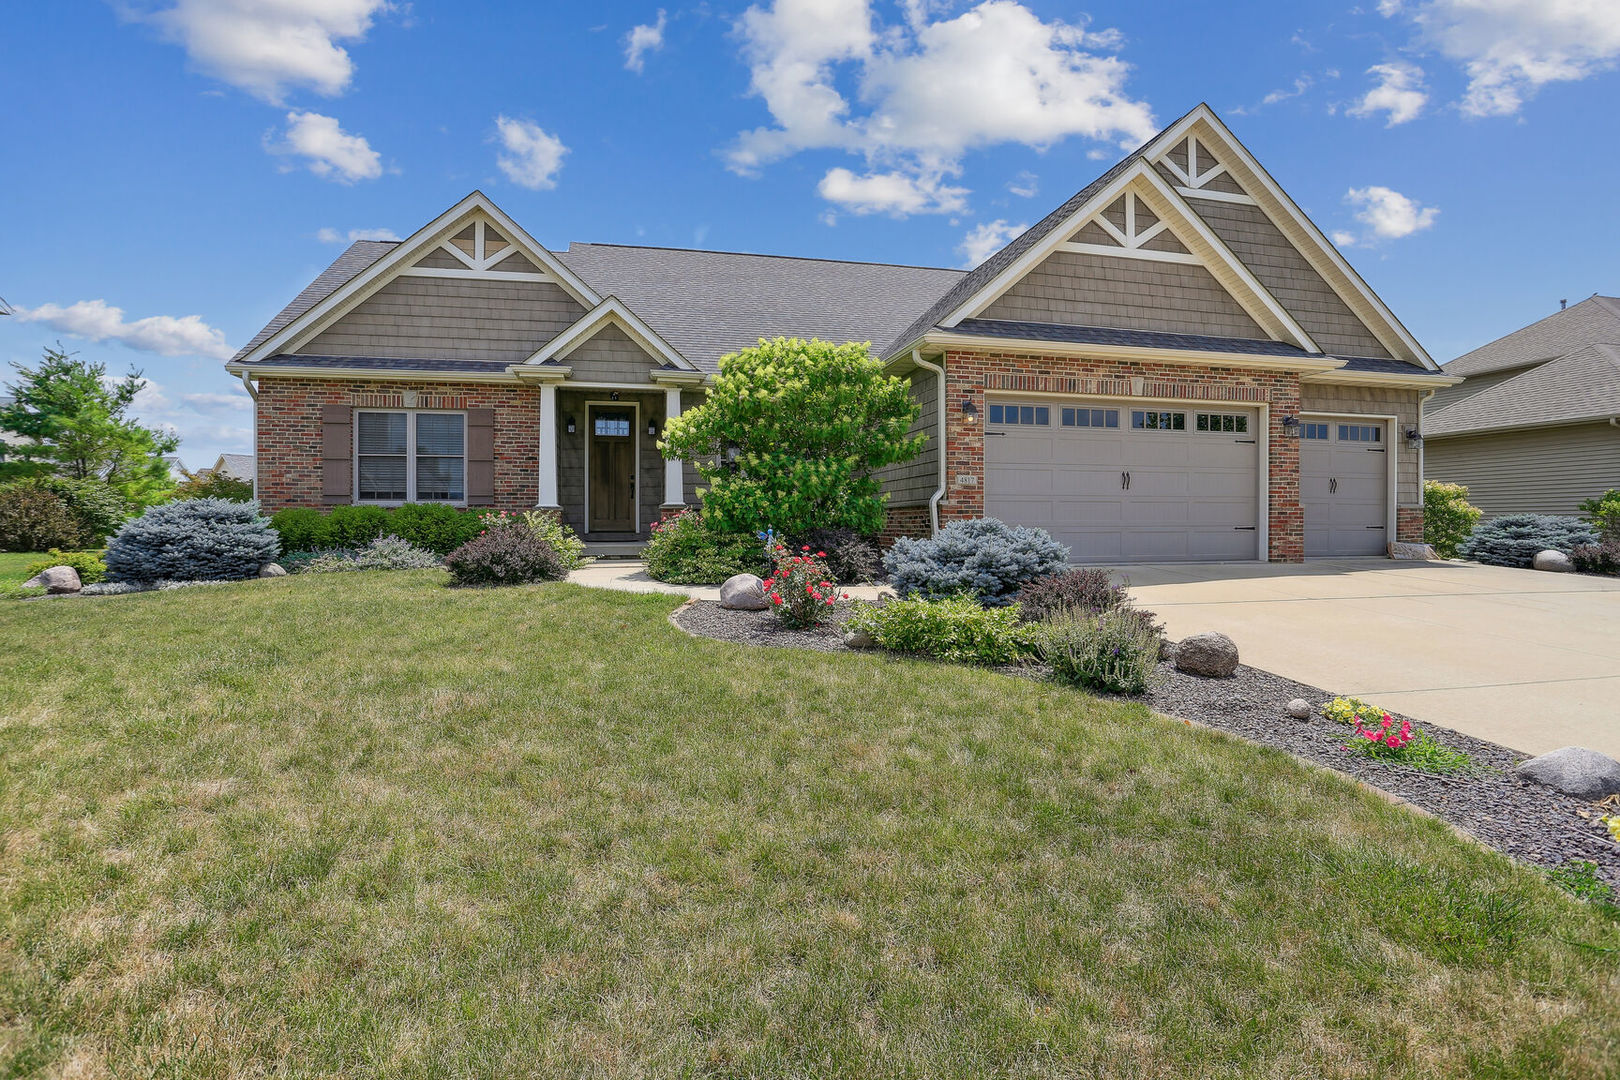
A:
1131	241
489	248
435	235
1327	260
612	310
1143	182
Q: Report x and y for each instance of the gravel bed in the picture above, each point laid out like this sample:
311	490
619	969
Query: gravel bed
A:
1523	820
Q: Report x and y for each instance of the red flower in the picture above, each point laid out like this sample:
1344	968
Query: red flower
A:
821	554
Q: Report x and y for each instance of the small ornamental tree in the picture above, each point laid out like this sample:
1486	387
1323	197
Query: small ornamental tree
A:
1448	517
791	435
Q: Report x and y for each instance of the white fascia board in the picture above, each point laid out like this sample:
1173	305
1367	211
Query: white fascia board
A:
1384	378
611	310
946	340
373	277
257	371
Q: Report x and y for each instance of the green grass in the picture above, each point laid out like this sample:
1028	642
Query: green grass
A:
364	825
13	563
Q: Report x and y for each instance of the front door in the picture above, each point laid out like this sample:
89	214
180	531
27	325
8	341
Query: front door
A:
612	479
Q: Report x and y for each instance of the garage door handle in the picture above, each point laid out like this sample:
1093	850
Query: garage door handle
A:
1245	528
1333	485
997	434
1380	528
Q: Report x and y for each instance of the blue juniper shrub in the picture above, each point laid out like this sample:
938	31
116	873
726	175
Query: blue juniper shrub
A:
983	558
1515	539
193	540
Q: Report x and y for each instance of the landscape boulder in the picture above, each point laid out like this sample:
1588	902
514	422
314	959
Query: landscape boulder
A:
744	592
1299	709
57	579
858	638
271	569
1553	561
1574	770
1210	654
1411	552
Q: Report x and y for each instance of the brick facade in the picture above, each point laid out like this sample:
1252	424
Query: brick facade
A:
901	521
1409	524
970	374
289	432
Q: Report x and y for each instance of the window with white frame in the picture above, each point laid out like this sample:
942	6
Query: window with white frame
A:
409	456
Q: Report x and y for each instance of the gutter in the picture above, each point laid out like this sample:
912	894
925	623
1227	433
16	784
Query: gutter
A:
1423	476
939	492
247	384
979	343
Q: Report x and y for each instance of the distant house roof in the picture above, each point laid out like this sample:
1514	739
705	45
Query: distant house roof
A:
1583	385
1595	319
236	466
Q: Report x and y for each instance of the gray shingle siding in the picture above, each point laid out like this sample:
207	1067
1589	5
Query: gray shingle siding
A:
610	356
914	482
1539	471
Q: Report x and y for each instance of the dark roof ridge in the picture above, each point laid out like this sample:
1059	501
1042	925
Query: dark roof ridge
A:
760	255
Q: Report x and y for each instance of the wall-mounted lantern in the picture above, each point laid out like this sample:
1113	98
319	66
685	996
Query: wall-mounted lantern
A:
652	428
1291	426
569	425
1414	439
970	411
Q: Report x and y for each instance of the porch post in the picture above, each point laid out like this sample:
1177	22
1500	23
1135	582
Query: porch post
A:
547	495
674	468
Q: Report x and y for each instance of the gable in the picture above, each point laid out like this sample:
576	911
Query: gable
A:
415	317
610	356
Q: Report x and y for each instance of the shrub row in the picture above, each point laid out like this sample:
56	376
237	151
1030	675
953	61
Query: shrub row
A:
435	526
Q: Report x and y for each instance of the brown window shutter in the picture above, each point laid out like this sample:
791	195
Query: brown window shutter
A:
337	453
480	457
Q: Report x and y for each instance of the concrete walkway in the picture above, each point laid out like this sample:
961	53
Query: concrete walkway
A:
1530	660
630	575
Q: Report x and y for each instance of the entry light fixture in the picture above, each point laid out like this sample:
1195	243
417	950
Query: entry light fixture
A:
652	428
1414	439
613	396
970	411
1290	426
570	425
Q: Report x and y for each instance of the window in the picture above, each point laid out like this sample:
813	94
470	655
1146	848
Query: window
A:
1360	433
1038	415
613	425
1313	431
410	456
1159	421
1103	418
1224	422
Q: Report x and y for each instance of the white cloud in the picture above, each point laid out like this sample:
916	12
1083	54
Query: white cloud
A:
643	39
533	157
1389	214
926	93
1512	48
1343	238
1301	84
1025	185
984	240
267	47
1400	93
333	236
166	335
329	152
894	193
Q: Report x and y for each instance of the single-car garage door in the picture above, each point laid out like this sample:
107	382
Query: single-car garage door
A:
1123	484
1344	485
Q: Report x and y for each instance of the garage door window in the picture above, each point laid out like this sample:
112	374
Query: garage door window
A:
1159	421
1091	418
1314	431
1360	433
1234	422
1037	415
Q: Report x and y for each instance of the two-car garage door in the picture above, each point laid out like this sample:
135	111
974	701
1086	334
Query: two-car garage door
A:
1119	483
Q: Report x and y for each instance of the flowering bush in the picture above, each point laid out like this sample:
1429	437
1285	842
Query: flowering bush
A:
689	550
547	526
1413	748
1349	710
801	589
1113	651
1081	589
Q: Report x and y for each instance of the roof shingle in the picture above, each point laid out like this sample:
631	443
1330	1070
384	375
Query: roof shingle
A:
1584	385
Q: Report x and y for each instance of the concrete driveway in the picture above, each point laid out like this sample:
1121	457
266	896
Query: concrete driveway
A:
1530	660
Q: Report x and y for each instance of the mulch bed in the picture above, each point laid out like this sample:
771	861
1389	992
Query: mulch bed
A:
1521	819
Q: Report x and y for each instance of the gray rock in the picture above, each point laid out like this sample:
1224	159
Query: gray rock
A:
859	638
56	579
271	569
1574	770
1407	551
1210	654
1299	709
744	592
1553	561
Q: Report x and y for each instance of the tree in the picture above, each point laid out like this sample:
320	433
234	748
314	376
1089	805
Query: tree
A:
1448	517
76	423
791	435
209	484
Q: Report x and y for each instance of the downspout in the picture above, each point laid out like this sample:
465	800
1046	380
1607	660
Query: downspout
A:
1423	474
939	492
247	384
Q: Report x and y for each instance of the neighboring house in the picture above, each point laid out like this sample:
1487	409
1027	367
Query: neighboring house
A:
1174	364
1535	426
234	466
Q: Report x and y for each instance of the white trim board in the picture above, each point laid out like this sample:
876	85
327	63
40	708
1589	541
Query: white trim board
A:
611	310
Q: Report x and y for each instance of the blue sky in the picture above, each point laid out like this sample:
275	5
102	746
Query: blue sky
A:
194	163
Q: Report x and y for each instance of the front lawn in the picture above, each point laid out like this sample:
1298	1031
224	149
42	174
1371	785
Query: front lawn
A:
14	565
365	825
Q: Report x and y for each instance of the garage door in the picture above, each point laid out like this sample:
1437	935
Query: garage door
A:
1123	484
1344	485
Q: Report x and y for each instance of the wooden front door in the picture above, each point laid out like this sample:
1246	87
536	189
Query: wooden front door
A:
612	479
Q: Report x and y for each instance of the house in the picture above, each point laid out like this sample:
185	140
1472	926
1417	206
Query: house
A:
234	466
1535	426
1173	364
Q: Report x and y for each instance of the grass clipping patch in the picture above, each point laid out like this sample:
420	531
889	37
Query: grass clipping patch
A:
363	825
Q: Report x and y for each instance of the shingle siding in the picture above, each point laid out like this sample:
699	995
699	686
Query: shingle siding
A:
1103	290
1539	471
915	481
1364	400
458	318
1289	277
610	356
